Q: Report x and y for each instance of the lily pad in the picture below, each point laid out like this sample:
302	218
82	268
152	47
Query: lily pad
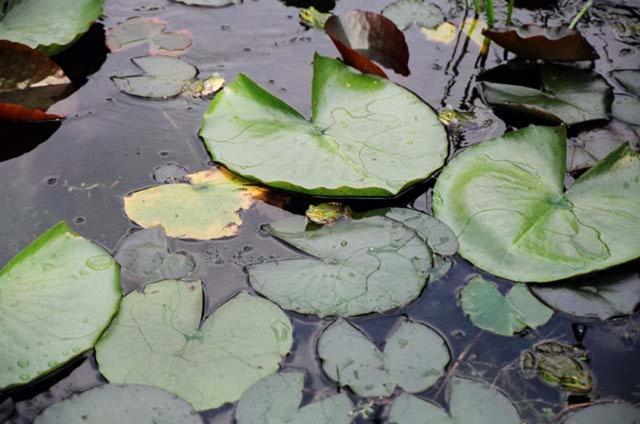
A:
438	236
560	94
600	296
165	77
210	3
605	412
626	108
208	207
504	199
374	264
504	315
546	43
276	398
56	297
135	31
368	136
414	358
30	82
48	25
129	404
470	401
145	257
157	338
423	13
629	79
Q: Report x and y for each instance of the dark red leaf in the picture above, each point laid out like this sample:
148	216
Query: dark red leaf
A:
13	112
363	37
535	42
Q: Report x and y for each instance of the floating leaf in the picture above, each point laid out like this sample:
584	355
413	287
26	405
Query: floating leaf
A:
208	207
604	412
414	358
630	80
626	108
276	398
445	33
438	236
135	31
165	77
145	257
56	297
564	95
473	29
29	83
313	18
505	315
546	43
134	404
367	137
157	339
48	25
504	199
210	3
369	265
363	37
403	13
600	296
470	401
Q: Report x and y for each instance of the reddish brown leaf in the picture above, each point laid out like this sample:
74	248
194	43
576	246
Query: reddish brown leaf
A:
534	42
13	112
364	37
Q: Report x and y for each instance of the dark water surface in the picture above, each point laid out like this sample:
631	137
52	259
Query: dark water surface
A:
111	143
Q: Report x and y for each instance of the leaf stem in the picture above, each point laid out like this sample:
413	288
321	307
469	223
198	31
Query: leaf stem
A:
490	15
510	11
580	14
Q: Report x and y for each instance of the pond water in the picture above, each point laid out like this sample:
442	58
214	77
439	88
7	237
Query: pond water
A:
111	144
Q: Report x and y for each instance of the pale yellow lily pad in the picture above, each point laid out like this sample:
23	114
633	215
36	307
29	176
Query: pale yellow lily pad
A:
207	207
446	32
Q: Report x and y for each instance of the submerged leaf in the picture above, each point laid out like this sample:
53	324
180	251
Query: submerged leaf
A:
208	207
546	43
627	108
128	404
56	296
604	412
276	398
504	199
363	37
505	315
630	80
367	136
157	338
404	13
135	31
414	358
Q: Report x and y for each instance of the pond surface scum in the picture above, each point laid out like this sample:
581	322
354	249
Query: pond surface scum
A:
274	281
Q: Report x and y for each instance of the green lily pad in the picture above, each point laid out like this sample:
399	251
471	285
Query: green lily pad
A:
367	136
438	236
629	79
414	358
626	108
404	13
470	402
374	264
158	339
129	404
505	201
56	297
605	412
135	31
208	207
165	77
48	25
505	315
564	94
276	398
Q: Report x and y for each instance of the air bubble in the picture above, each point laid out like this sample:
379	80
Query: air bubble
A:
99	262
23	363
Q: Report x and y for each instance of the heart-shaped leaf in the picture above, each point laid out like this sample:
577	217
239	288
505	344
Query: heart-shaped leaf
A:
367	137
129	404
504	199
505	315
604	412
470	402
157	338
207	207
48	25
546	43
56	297
164	77
135	31
414	358
404	13
276	399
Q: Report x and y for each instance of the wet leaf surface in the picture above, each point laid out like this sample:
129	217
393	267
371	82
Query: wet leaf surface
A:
414	358
629	79
164	77
210	3
506	315
276	399
61	292
137	30
547	43
627	108
207	207
157	338
505	201
363	37
367	136
129	404
404	13
604	412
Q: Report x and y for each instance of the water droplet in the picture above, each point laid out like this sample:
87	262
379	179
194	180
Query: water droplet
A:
85	320
52	363
75	350
24	376
79	220
83	272
51	181
281	330
46	266
66	353
23	363
343	243
403	342
99	262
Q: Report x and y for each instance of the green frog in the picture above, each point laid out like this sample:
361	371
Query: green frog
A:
559	365
328	213
450	116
